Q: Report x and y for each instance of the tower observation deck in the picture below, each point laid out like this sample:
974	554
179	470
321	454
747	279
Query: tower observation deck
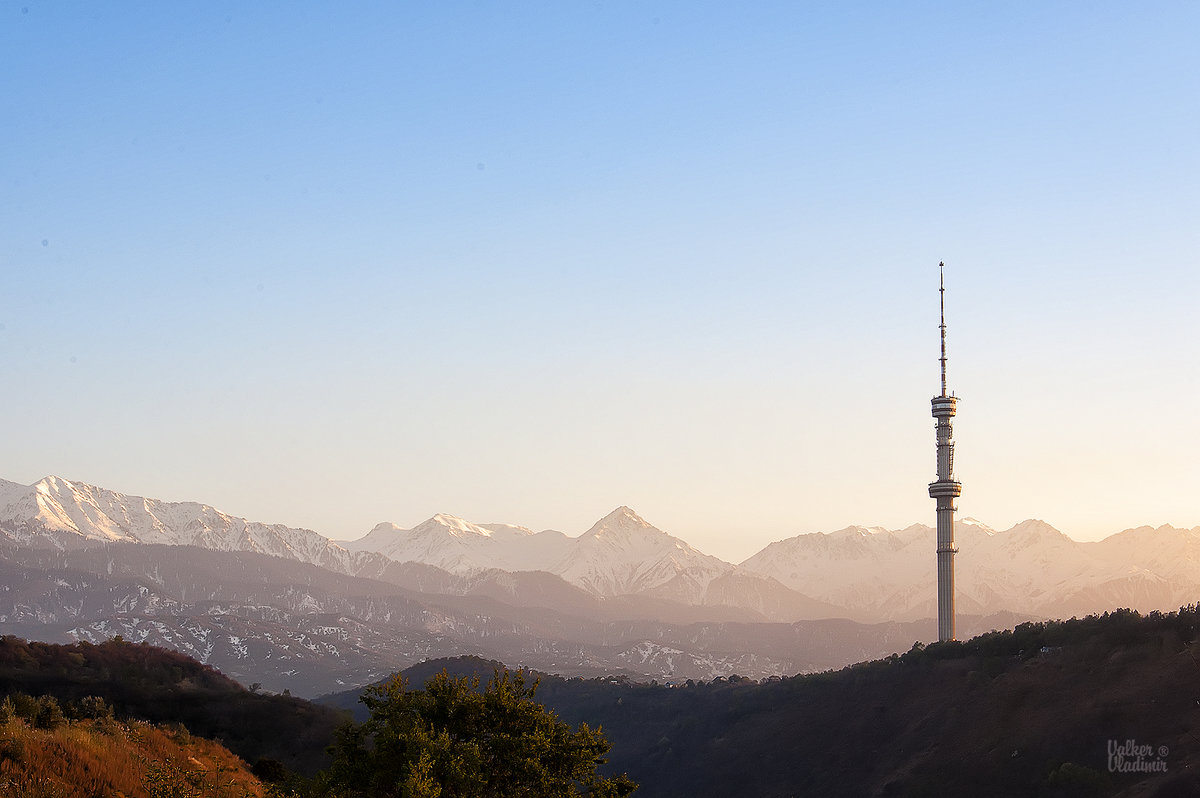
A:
945	490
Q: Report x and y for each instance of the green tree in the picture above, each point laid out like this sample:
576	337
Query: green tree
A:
452	740
49	713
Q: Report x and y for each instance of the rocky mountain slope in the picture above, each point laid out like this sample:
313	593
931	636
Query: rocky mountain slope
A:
299	627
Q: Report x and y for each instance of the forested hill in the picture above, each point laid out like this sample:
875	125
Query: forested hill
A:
1032	711
161	686
1029	711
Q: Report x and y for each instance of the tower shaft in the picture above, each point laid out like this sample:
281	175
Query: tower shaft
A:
945	490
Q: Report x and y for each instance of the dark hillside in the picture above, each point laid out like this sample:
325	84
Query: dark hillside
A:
1029	711
161	686
1023	712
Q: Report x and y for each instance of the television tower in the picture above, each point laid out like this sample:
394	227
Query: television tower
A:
945	490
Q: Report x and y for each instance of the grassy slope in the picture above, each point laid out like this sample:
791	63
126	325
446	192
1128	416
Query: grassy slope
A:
105	757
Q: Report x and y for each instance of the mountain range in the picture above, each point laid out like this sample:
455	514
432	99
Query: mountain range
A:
287	606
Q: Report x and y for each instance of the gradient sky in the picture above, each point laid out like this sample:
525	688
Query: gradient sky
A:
329	264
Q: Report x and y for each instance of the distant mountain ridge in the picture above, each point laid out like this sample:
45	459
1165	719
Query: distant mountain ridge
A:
865	573
292	625
1031	569
464	548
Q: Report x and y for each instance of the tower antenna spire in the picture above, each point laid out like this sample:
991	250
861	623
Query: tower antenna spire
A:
942	297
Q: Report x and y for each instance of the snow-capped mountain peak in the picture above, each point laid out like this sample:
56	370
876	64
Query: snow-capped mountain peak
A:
975	524
622	521
508	530
857	532
66	513
451	525
623	553
461	547
1035	532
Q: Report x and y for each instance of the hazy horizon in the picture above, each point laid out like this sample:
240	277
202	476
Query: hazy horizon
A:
331	266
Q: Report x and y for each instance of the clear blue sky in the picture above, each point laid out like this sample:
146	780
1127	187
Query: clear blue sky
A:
332	264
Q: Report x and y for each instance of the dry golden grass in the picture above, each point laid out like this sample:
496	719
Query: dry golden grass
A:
102	758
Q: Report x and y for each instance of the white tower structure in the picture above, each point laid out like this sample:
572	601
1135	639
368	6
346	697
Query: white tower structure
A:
945	490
